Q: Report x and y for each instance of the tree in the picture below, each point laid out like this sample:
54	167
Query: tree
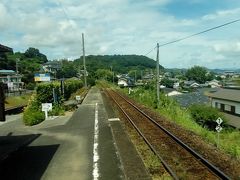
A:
34	53
198	74
167	82
104	74
69	69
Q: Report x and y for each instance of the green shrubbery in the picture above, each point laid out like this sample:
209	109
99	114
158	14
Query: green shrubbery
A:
44	94
71	86
32	116
206	116
32	113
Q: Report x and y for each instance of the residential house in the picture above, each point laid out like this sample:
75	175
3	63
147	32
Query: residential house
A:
214	83
11	79
148	77
4	49
176	85
51	66
229	73
125	81
191	84
228	101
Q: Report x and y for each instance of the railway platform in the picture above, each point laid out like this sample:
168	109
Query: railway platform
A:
87	144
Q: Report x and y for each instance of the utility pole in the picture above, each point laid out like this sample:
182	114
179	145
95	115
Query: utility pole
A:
2	105
17	73
158	96
84	64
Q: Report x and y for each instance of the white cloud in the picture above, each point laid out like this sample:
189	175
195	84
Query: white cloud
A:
114	27
234	13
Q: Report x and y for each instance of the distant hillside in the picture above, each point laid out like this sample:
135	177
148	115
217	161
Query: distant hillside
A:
119	63
220	71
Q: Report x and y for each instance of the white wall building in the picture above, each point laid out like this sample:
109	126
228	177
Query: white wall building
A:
227	100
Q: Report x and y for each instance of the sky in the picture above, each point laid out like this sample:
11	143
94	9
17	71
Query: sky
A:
111	27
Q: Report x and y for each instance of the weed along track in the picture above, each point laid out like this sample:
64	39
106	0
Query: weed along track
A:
179	160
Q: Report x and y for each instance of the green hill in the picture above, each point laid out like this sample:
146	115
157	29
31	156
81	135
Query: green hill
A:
119	63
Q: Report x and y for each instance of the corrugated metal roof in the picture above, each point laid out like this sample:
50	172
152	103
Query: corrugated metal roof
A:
4	71
226	94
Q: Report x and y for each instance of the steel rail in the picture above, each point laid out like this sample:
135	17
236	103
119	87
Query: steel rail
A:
210	166
166	166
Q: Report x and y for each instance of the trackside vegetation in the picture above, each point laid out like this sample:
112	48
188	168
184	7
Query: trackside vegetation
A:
198	119
44	94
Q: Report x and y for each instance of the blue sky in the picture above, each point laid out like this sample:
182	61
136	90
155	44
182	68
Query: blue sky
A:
125	27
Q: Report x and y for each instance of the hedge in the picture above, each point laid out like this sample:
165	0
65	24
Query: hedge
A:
44	94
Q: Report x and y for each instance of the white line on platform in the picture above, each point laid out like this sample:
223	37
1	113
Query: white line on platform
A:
114	119
95	146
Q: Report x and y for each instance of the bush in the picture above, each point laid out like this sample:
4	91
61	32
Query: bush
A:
32	117
206	116
71	86
91	81
44	94
30	86
56	110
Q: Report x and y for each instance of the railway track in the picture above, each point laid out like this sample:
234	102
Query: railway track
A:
181	161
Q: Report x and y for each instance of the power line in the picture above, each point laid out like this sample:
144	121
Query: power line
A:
196	34
150	51
202	32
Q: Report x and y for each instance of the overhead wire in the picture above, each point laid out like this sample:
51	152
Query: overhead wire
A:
195	34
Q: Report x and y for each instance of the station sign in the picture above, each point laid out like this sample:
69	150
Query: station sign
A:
41	77
46	106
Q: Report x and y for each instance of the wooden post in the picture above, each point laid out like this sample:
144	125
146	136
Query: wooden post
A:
2	105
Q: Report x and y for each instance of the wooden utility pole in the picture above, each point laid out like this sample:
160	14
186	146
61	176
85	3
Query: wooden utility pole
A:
84	63
2	105
158	96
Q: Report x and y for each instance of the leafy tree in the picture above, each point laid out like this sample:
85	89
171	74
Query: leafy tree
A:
167	82
35	53
198	74
69	69
104	74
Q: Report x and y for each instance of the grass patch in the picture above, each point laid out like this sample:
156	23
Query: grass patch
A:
16	100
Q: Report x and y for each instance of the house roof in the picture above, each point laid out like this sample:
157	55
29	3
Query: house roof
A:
5	48
4	71
226	94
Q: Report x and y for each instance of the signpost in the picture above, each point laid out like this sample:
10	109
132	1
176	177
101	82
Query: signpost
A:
218	128
46	107
78	99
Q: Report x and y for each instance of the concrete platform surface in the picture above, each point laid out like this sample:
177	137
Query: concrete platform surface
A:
77	146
